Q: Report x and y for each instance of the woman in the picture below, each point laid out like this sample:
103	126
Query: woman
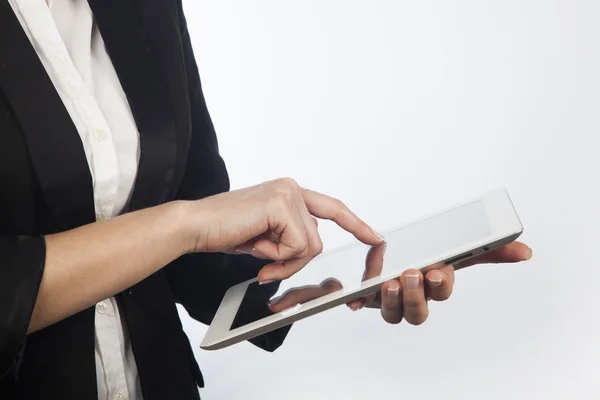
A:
115	207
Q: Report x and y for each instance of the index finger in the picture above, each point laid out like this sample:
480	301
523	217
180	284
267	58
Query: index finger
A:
325	207
374	262
373	268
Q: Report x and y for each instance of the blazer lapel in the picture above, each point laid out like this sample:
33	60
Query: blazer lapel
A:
56	151
136	62
55	147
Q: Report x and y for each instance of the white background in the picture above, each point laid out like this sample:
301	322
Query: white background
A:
400	108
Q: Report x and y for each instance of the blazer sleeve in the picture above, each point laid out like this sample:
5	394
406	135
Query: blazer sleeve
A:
199	281
22	261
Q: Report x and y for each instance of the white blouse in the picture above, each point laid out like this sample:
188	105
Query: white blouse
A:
72	51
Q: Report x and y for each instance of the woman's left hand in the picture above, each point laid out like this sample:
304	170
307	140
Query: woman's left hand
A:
406	297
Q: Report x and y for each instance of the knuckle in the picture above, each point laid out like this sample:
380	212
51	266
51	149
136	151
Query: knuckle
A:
287	184
288	181
277	257
303	245
283	192
286	272
339	205
331	284
318	248
304	255
444	295
280	203
300	247
392	306
293	270
413	303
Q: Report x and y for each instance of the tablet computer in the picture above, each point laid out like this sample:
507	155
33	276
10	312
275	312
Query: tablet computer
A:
351	272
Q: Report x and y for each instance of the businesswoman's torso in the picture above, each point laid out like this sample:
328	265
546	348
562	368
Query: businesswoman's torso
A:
101	111
71	49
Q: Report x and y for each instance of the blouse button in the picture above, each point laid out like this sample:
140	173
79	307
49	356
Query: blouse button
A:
101	307
100	135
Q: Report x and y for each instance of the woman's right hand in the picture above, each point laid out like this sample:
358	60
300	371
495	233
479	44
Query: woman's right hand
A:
274	220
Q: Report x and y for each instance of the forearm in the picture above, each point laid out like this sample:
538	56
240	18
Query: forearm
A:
96	261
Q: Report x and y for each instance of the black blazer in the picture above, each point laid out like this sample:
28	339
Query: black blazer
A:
46	187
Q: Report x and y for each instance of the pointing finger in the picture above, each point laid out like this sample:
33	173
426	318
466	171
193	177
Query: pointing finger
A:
326	207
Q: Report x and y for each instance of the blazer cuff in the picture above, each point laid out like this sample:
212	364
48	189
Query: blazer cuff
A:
22	261
273	340
10	364
253	308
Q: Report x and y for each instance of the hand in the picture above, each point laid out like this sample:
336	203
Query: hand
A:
275	221
407	297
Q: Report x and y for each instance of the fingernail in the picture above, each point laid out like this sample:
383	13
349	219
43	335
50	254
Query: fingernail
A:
356	307
412	282
266	282
435	282
378	235
529	255
241	251
274	301
393	292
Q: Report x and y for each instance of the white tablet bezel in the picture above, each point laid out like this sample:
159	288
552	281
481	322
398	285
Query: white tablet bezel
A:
505	227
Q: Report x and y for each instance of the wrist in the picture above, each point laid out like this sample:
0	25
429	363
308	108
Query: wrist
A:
185	231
